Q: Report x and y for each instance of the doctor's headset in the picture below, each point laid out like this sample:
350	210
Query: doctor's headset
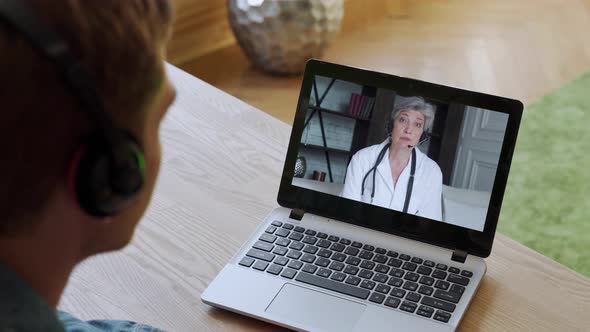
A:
388	128
111	167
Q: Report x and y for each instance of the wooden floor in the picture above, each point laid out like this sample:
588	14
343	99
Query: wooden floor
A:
519	49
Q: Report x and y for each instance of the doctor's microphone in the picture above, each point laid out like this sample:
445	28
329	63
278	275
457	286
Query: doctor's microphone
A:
422	141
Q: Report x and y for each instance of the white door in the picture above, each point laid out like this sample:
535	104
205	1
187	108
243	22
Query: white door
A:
478	149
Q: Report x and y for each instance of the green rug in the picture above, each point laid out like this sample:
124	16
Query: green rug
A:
547	202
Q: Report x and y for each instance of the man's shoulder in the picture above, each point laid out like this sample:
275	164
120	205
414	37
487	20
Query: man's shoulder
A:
21	308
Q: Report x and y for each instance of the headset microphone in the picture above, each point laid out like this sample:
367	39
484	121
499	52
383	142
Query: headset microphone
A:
422	141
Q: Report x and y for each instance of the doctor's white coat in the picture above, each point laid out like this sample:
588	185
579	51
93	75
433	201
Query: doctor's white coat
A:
427	189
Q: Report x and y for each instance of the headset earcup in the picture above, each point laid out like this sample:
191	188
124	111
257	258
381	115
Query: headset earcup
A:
104	185
128	172
93	181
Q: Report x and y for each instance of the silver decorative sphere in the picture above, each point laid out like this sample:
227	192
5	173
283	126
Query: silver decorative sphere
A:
279	36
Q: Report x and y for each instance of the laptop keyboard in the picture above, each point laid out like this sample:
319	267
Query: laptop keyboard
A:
384	277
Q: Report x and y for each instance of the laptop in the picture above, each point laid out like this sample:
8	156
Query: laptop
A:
352	245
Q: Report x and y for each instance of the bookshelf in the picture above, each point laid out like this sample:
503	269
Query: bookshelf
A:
320	147
359	132
338	113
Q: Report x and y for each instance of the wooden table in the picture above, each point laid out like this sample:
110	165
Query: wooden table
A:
221	166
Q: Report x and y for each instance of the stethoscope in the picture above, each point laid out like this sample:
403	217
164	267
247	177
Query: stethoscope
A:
412	172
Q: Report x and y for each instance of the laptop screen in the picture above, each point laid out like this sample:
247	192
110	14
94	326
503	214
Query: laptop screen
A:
404	152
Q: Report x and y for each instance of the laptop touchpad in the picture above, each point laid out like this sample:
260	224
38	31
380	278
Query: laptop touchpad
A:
315	309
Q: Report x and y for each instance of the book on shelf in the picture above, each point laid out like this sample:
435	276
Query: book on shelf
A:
352	103
360	106
366	108
355	104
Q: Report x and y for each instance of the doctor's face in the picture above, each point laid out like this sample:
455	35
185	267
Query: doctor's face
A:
408	126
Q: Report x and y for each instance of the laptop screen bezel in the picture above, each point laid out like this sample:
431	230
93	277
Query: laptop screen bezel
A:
386	220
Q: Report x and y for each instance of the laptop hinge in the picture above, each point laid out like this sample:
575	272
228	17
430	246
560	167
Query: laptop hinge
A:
459	256
297	214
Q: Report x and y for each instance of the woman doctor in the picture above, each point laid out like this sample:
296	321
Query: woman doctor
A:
382	174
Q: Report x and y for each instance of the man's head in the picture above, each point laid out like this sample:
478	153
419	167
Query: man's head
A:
121	45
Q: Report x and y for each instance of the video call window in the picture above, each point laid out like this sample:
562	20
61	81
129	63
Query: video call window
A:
365	143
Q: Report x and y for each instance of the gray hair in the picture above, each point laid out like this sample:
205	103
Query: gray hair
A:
413	104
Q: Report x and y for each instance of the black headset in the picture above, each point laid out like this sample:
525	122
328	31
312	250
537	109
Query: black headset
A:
111	169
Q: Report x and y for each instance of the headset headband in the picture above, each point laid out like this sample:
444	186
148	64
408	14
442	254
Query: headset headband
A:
57	50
